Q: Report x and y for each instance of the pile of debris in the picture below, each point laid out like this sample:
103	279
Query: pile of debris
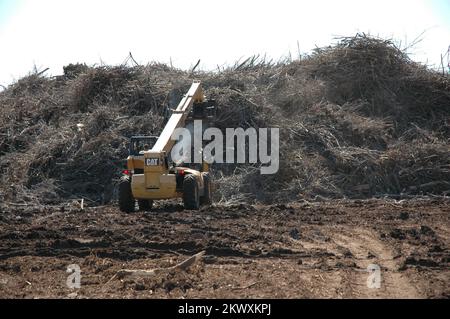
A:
358	119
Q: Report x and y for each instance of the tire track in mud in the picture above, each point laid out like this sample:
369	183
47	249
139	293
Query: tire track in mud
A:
367	248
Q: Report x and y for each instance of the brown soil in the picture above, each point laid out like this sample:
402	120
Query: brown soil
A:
297	250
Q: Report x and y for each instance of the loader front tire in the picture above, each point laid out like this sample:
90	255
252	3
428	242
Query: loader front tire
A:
191	198
126	200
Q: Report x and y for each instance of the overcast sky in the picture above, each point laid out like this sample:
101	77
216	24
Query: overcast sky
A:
54	33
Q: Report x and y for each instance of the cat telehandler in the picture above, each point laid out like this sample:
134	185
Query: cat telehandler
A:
150	173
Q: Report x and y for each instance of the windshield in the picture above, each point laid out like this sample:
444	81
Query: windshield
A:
139	145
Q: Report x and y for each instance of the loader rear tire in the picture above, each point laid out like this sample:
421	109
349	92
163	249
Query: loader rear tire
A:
145	204
206	198
191	198
126	200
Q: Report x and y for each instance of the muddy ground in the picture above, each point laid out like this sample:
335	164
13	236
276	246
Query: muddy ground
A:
297	250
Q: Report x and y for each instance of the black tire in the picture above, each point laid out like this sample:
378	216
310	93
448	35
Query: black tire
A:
126	200
191	198
206	198
145	204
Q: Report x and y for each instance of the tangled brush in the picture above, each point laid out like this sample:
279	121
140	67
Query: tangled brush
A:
357	119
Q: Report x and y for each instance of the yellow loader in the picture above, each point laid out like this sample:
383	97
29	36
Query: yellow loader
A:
150	175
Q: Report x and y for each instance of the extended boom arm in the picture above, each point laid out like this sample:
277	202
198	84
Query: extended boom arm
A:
178	118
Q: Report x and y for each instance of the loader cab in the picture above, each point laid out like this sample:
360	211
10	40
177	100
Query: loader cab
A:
139	144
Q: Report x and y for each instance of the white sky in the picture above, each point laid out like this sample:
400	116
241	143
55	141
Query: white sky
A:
54	33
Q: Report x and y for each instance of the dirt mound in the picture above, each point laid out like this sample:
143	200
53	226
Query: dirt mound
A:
357	119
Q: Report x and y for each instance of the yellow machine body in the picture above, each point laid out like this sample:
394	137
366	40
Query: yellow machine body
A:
155	179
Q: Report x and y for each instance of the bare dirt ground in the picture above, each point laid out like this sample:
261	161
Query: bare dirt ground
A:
297	250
